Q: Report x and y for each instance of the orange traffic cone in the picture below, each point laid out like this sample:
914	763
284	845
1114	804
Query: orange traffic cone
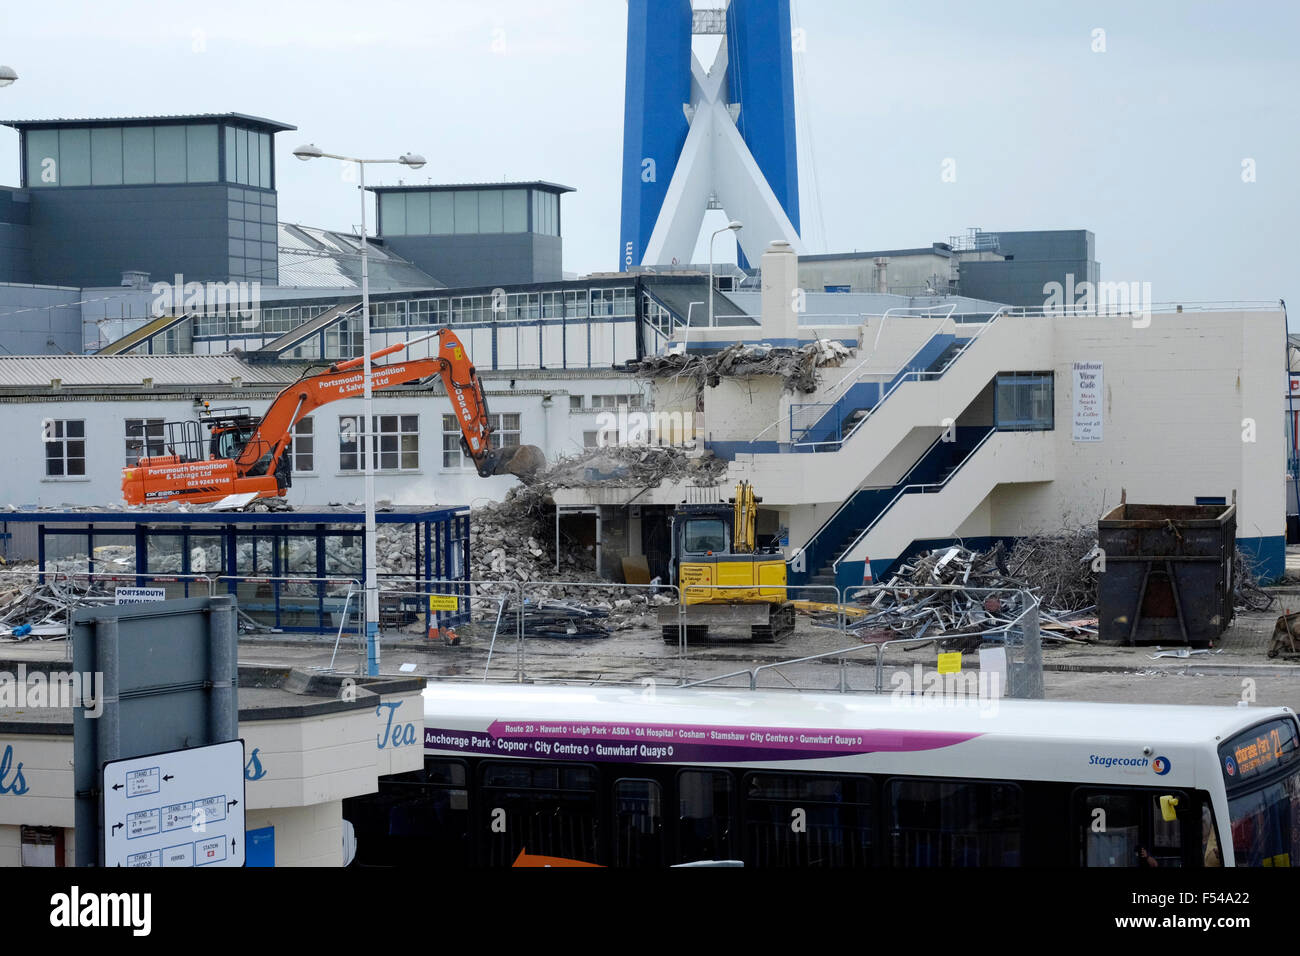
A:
867	579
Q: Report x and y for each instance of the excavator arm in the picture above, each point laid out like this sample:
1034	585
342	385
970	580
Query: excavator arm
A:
257	465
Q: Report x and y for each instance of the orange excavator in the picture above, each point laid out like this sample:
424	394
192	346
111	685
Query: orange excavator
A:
245	455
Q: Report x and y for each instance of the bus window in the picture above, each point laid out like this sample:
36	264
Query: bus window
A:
638	823
1263	781
416	818
1210	853
1126	828
544	809
954	823
807	820
704	819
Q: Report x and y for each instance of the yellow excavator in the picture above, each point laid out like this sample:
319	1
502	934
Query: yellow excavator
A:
724	578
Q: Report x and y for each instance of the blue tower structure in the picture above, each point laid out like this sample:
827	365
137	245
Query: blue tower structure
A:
697	139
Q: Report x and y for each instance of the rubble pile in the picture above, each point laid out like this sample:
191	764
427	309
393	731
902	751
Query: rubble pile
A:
1057	569
796	366
30	610
628	466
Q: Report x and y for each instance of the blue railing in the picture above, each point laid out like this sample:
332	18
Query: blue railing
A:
863	507
924	488
829	427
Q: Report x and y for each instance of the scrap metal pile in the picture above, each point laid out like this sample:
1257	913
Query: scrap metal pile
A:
796	366
943	594
32	610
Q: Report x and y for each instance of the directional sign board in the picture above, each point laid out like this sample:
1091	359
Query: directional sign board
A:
182	808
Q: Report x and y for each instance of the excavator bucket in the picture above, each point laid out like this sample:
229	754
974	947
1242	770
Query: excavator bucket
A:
522	461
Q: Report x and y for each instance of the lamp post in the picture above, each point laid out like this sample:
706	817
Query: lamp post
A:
734	226
7	75
365	439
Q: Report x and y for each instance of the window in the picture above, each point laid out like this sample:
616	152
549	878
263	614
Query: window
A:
505	434
612	302
42	846
575	403
705	815
419	818
515	210
954	823
546	809
614	401
65	448
144	439
638	823
387	314
125	155
591	439
466	205
302	446
397	437
703	535
1126	828
392	214
1023	401
74	157
343	339
248	157
835	813
106	156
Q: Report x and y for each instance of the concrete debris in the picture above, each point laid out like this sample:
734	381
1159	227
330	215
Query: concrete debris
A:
796	366
630	466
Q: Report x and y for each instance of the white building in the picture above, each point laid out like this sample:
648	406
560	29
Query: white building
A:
66	422
992	425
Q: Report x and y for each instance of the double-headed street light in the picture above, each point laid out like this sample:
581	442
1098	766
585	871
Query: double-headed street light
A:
367	446
7	75
734	226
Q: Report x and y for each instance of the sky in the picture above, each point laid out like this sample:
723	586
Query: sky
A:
1168	127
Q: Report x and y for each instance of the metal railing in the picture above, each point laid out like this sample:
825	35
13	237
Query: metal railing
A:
900	378
856	374
802	549
925	489
1019	635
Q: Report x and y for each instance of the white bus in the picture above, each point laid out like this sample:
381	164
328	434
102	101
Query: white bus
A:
630	777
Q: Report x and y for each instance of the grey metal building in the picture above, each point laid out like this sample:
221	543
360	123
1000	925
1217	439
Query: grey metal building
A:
476	234
169	195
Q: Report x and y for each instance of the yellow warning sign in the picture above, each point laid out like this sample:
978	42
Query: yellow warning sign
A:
449	602
950	663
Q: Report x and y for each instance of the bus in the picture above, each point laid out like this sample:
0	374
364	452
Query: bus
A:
654	777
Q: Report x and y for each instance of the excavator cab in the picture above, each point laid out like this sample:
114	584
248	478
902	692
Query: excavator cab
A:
724	577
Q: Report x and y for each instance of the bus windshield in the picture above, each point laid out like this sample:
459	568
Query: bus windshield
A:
1264	813
1266	824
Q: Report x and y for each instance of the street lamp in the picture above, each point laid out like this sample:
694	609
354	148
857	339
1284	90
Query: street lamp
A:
7	75
734	226
414	161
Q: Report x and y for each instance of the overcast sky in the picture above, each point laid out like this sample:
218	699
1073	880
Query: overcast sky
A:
1143	143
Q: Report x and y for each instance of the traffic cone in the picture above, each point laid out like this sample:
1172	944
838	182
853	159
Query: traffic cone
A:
867	579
